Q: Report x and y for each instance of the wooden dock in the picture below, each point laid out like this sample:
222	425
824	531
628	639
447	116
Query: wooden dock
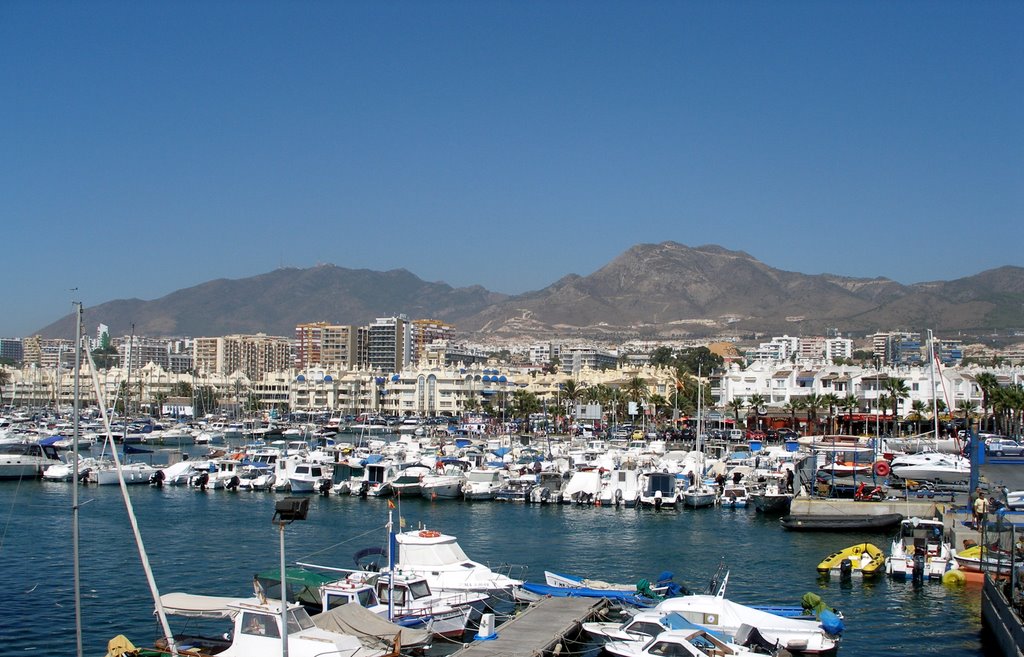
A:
539	629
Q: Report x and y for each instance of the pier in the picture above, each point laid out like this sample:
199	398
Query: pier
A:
539	630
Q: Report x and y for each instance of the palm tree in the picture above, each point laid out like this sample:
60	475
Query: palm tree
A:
758	403
965	406
988	383
831	401
898	391
918	406
737	404
636	389
812	403
571	392
5	378
849	404
883	402
792	406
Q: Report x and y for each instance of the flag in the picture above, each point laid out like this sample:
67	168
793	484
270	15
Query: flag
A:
391	504
401	521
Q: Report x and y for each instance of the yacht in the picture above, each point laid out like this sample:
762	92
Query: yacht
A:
28	461
932	466
439	558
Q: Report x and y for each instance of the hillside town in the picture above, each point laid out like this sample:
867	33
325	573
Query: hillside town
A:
395	367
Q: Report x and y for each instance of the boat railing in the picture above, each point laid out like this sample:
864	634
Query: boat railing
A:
510	570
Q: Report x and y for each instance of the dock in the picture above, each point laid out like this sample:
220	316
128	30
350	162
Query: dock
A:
538	630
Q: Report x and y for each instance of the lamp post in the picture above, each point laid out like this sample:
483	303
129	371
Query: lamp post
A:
287	511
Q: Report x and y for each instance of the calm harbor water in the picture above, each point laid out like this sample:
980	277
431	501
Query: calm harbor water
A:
213	542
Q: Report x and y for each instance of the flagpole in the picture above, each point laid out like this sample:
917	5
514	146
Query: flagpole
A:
391	565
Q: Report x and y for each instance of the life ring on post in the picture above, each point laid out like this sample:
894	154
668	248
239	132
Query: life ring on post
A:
429	533
882	468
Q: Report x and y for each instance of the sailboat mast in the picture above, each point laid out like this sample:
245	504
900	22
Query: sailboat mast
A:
74	480
935	394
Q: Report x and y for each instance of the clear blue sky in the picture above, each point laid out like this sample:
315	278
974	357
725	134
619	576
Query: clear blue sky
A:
147	147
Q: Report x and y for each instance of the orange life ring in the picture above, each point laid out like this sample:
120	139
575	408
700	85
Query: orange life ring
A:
882	468
429	533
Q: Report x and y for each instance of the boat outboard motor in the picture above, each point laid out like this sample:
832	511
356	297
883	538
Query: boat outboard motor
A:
157	478
749	637
202	480
233	483
845	569
83	476
364	489
325	487
919	558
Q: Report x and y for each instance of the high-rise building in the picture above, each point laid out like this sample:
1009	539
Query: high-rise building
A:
329	345
427	331
12	349
253	355
390	344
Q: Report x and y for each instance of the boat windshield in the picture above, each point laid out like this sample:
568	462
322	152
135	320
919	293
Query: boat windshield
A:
419	589
438	554
298	620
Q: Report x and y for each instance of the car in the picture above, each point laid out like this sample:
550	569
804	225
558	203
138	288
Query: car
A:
1003	447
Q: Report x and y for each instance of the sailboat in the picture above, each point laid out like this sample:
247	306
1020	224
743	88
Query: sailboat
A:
699	493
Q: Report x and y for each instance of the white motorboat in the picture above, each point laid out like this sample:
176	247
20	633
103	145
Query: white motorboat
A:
256	629
310	477
439	558
483	483
583	487
445	484
641	626
695	642
620	487
919	551
18	461
718	614
133	473
734	496
445	613
932	466
659	490
774	497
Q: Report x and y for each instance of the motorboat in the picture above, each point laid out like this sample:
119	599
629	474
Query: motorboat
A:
734	496
774	497
516	489
482	483
411	601
256	629
19	461
660	491
549	488
620	488
447	482
132	473
981	559
439	558
695	641
310	477
932	466
860	560
719	614
919	551
583	487
641	626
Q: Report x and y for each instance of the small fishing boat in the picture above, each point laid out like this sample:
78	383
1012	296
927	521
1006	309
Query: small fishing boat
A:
862	559
734	496
919	551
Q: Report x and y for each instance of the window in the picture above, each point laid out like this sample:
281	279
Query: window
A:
259	625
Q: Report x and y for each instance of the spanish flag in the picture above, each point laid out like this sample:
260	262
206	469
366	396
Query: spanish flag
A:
391	504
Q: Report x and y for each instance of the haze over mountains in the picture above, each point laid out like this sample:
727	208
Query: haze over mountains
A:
652	290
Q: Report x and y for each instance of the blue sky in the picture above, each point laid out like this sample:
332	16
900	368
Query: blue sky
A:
149	147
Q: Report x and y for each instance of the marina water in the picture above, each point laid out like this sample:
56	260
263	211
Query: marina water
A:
214	542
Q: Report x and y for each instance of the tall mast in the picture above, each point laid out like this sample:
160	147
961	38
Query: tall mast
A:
74	480
935	394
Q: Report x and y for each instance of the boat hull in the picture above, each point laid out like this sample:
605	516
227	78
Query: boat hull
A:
840	523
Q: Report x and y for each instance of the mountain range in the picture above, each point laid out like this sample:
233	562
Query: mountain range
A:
651	290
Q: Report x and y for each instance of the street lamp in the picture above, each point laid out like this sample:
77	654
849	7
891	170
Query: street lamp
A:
287	511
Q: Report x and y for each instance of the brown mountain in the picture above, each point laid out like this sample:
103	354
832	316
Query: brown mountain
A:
651	289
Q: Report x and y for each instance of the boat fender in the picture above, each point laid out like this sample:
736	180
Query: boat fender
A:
882	468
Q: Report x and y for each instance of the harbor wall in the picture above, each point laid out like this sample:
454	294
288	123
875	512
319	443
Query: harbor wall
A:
998	619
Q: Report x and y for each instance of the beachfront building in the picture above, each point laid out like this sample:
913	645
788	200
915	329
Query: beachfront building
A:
390	344
253	355
333	346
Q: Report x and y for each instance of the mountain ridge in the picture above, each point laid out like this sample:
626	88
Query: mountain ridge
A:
657	290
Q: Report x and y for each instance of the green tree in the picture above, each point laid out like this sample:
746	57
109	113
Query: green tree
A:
812	403
5	378
662	357
759	404
792	407
918	408
699	359
989	384
898	391
736	405
571	393
849	404
636	389
883	402
523	404
831	401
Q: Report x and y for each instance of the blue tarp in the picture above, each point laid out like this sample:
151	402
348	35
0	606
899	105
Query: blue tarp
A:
51	440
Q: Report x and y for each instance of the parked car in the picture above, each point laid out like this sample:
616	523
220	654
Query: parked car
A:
1003	447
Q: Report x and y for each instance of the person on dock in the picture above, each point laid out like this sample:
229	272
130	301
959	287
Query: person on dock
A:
980	510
